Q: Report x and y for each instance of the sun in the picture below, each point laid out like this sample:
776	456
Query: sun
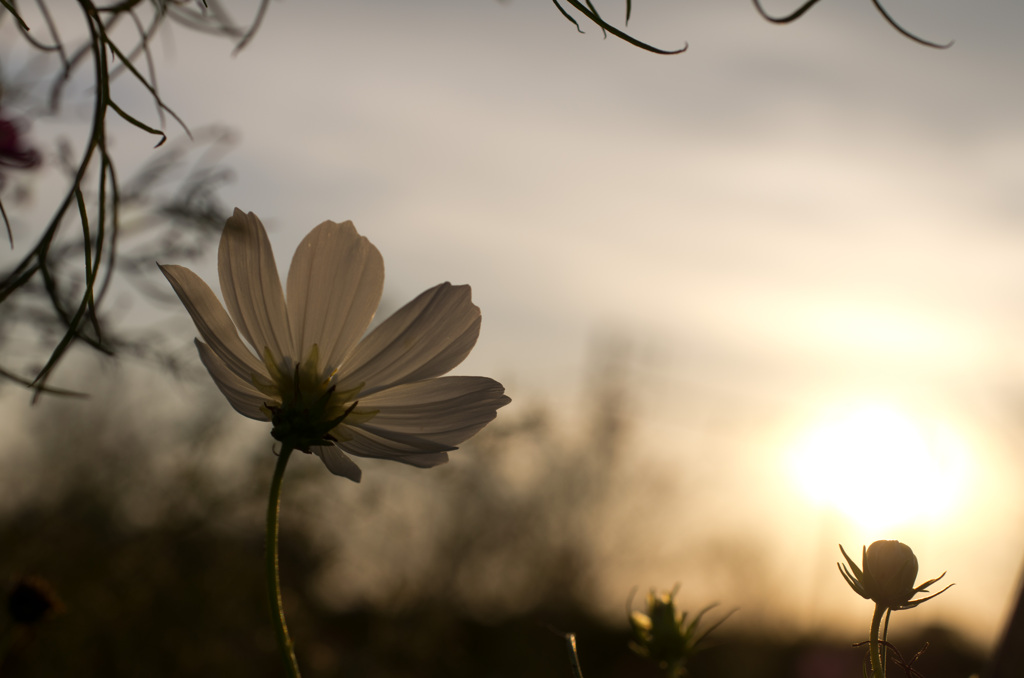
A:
881	467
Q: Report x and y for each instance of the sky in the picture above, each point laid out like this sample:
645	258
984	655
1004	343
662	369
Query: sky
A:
808	235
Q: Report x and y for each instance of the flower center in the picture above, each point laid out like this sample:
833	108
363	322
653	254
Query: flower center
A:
306	409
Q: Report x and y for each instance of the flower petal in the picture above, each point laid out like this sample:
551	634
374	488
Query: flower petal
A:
337	462
334	286
425	338
213	323
446	410
409	450
246	400
252	288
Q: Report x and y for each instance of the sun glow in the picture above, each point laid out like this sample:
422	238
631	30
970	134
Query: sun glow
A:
881	467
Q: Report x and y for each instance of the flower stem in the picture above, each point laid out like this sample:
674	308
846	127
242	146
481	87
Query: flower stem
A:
574	659
284	641
877	666
884	650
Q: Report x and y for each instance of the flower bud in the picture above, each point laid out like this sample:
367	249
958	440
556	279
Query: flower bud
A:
663	634
887	578
659	634
890	569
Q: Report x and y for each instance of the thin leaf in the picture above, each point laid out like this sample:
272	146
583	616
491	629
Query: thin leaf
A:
787	18
9	6
922	41
713	626
249	34
45	389
594	10
7	223
138	123
568	16
131	67
619	34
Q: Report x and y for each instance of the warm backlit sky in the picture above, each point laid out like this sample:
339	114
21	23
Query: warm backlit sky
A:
813	233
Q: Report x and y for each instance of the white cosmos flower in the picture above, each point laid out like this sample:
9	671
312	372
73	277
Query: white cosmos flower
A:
323	385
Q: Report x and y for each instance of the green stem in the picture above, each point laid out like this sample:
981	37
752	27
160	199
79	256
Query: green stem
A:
885	637
284	641
877	666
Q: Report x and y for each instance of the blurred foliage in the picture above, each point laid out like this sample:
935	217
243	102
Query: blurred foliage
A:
168	208
144	515
56	286
148	524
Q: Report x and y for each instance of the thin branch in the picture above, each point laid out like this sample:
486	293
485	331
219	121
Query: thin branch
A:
789	17
593	16
922	41
878	5
251	33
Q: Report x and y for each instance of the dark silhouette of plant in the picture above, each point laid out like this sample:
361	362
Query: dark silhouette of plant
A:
590	11
94	197
797	13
